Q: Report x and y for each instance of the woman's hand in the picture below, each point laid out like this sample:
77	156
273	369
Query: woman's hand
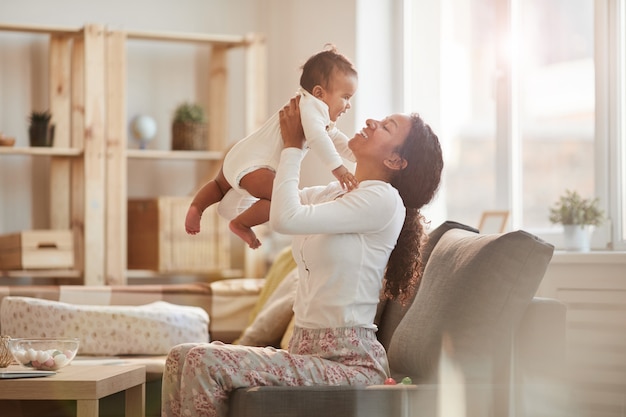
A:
291	125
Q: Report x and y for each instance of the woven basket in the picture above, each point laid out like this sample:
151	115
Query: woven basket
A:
6	358
188	136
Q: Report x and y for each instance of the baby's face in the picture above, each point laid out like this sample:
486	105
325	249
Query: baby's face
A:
341	89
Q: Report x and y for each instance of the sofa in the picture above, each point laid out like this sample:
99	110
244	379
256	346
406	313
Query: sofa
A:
474	338
474	341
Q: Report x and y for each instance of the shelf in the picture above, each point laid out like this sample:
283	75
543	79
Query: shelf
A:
228	41
87	75
42	151
186	155
42	273
44	30
149	274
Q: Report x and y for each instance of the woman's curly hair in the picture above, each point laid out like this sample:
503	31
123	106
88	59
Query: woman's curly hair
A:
417	185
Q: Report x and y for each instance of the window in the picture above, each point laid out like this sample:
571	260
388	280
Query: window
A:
528	102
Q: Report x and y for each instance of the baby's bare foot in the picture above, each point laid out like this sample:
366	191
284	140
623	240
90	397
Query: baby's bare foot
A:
245	233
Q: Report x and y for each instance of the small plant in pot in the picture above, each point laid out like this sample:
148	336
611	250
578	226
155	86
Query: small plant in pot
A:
578	216
190	128
40	131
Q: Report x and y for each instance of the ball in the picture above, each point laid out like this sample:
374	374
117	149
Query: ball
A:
143	128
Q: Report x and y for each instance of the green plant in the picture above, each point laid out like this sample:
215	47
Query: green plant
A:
190	113
39	117
571	208
40	131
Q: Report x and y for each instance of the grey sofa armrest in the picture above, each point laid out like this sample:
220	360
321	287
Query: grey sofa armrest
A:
540	385
540	340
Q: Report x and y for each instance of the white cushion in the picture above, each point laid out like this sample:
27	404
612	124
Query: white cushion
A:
150	329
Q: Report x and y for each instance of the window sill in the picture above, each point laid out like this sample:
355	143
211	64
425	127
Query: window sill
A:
592	257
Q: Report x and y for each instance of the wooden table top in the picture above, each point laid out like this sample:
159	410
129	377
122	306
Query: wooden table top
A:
74	382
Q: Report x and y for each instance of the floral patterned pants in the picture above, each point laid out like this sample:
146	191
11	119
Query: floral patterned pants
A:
198	378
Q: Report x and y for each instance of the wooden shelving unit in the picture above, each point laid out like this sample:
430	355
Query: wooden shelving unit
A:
76	77
88	168
67	152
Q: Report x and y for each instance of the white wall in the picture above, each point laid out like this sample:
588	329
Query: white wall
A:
23	81
295	29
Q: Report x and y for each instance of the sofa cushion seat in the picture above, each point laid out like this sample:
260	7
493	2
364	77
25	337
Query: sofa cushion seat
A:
336	400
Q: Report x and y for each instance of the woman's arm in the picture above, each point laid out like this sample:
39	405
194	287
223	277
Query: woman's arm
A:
290	124
362	210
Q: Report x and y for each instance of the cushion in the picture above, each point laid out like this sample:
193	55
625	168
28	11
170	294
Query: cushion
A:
231	302
391	312
284	342
474	292
270	324
106	330
282	265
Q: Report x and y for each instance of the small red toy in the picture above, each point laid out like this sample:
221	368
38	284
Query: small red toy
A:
390	381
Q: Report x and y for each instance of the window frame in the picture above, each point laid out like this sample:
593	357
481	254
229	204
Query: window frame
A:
610	118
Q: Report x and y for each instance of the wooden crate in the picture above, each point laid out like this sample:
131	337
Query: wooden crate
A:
157	239
37	249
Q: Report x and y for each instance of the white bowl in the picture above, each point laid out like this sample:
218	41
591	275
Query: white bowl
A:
44	354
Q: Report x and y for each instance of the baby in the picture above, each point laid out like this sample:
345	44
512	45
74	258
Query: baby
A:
244	184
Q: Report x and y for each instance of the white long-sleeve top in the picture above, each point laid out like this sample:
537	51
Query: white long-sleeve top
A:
342	242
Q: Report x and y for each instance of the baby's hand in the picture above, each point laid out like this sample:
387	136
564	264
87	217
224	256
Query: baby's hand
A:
345	178
349	181
192	221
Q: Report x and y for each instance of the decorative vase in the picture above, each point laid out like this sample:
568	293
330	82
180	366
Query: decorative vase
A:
190	136
6	358
41	134
577	237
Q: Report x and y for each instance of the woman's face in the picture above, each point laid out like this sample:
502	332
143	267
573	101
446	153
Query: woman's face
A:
379	139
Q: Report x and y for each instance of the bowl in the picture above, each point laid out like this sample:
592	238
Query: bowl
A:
44	354
6	141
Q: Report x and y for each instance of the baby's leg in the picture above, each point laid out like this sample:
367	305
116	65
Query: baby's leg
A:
259	184
256	214
212	192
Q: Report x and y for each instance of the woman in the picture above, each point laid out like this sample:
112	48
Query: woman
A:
344	243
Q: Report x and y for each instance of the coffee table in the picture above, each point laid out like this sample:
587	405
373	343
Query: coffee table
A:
86	384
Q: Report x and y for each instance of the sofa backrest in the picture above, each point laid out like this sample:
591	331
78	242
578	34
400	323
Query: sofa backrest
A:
474	291
390	313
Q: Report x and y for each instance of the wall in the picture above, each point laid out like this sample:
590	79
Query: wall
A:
23	81
295	29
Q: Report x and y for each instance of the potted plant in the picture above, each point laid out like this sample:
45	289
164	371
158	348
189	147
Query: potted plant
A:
40	131
578	216
190	128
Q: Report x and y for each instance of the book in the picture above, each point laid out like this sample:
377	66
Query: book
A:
12	374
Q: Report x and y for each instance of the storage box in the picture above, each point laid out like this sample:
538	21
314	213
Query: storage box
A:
157	239
37	249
